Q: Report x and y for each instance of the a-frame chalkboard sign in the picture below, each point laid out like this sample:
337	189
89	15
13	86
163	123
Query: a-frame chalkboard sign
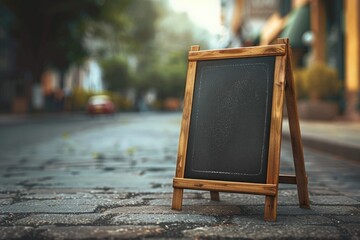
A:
231	126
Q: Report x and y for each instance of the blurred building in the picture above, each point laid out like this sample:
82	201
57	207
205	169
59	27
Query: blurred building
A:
19	94
243	20
12	85
326	31
87	77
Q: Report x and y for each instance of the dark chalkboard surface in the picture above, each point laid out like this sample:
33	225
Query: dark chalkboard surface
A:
230	120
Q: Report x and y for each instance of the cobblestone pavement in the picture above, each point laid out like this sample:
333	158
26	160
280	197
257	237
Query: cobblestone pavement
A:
115	182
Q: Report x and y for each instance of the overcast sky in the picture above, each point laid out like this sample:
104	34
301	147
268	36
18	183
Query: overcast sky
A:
205	13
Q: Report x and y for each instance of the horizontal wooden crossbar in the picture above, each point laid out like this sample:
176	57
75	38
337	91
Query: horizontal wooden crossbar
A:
288	179
225	186
271	50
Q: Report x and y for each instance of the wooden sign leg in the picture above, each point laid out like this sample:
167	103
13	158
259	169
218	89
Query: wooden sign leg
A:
275	137
214	196
297	148
270	208
177	199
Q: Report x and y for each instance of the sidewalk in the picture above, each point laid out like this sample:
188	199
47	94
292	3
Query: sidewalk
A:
339	138
115	182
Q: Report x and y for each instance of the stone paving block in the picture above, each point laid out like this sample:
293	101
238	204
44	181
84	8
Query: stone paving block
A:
186	202
7	195
73	190
59	219
121	195
321	191
66	205
332	200
53	196
265	231
237	199
246	220
142	209
163	218
353	194
168	195
16	232
3	218
158	209
336	210
281	210
5	201
129	202
99	232
219	210
348	219
352	229
50	206
283	220
13	186
287	197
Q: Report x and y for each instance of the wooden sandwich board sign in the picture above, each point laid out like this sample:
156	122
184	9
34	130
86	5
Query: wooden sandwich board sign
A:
232	125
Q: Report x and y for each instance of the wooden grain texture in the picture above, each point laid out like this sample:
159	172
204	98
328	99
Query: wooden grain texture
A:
295	134
225	186
177	199
275	136
287	179
276	120
270	50
185	122
270	211
184	132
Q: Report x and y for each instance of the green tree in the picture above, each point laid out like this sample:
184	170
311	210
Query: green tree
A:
50	33
116	74
166	65
123	51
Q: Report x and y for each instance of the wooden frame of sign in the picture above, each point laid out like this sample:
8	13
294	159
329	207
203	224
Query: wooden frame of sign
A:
282	88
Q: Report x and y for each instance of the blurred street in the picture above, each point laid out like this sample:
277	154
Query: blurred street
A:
71	176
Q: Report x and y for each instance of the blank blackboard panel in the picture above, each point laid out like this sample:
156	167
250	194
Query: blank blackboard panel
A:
230	120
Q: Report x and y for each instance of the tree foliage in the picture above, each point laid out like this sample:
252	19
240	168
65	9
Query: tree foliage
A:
138	43
50	33
116	73
166	66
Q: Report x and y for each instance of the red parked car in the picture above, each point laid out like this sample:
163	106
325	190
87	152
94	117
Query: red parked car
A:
100	104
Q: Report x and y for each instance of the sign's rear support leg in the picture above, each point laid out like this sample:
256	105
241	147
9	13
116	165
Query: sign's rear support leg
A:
214	196
295	134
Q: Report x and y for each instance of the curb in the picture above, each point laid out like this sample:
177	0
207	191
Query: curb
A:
343	150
